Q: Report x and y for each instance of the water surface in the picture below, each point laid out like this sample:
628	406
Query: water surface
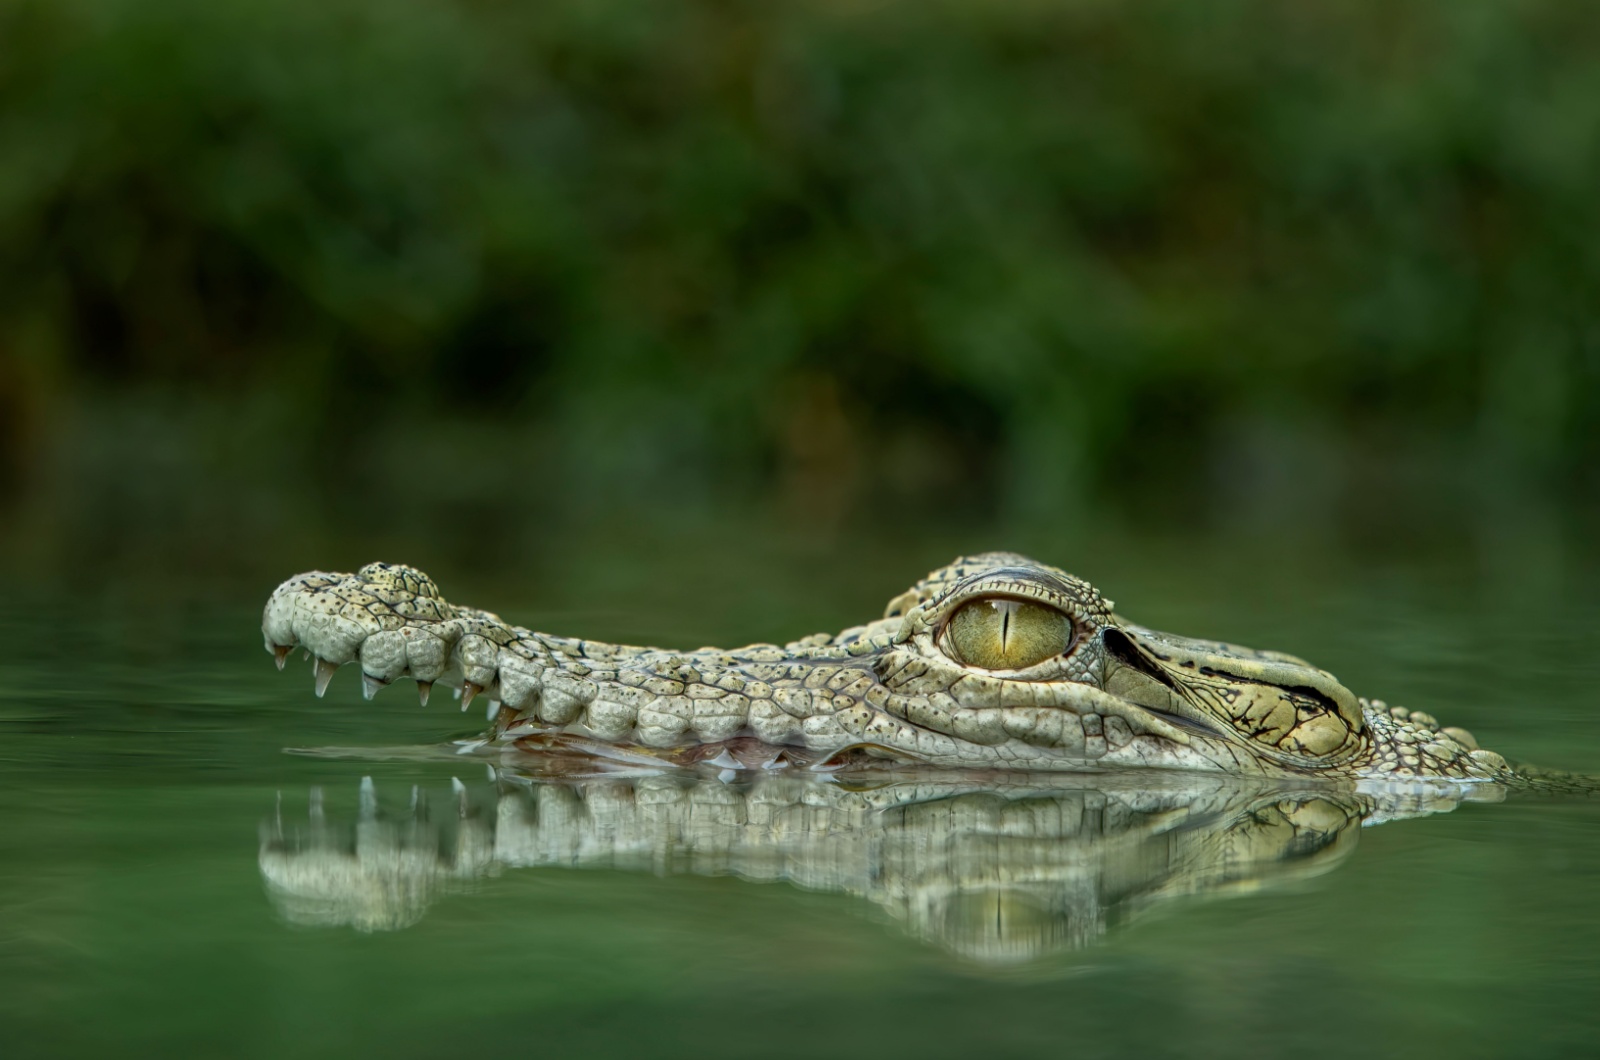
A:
148	896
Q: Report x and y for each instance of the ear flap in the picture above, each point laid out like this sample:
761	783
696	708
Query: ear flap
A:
1132	675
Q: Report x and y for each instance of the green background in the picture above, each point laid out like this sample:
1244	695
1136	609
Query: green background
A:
280	268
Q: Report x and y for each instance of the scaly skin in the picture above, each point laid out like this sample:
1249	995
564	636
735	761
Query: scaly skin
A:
1119	696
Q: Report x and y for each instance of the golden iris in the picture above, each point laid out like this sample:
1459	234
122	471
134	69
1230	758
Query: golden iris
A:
999	633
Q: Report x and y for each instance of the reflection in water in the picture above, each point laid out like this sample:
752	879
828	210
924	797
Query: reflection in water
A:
997	873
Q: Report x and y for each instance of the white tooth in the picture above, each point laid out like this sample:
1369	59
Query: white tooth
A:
468	690
370	685
727	775
493	776
280	653
466	747
423	688
725	760
325	672
494	708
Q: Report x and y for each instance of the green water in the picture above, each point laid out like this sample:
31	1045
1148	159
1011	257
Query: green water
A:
141	754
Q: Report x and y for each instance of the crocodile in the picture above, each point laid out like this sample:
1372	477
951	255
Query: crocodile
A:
992	662
992	872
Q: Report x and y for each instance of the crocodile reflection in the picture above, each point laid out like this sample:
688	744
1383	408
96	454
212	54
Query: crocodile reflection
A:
995	873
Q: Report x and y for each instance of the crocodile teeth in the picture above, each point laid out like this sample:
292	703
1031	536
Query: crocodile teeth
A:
726	761
280	653
423	688
494	709
468	690
325	672
370	685
502	719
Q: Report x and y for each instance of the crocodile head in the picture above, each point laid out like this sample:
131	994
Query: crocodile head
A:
994	661
1029	652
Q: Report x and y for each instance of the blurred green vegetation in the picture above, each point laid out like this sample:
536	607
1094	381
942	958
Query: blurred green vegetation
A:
1281	264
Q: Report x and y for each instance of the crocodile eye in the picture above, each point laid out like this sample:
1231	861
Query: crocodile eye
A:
998	633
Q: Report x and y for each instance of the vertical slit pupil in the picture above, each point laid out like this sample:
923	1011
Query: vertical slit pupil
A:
979	634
